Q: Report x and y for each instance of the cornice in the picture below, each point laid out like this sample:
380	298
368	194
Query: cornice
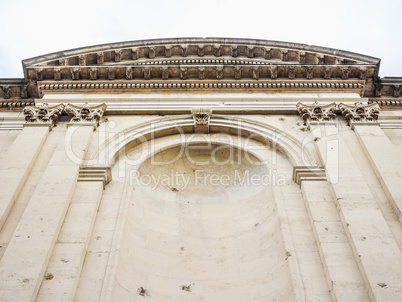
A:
127	86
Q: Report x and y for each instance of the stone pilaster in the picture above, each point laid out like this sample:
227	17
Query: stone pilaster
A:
17	163
39	227
333	245
367	231
385	160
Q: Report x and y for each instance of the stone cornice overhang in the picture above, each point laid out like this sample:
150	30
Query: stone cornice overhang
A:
199	65
202	59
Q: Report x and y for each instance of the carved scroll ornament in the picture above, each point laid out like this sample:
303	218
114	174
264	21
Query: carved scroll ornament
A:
360	112
85	113
316	112
43	114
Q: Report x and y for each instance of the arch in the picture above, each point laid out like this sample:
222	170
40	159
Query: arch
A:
270	136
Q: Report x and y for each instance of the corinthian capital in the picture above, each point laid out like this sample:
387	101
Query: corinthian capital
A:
85	113
316	113
44	114
360	113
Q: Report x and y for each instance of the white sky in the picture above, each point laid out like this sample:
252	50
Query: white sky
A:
33	28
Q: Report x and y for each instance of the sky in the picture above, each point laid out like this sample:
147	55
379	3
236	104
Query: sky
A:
33	28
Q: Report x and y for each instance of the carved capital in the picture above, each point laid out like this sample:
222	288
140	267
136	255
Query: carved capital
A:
44	114
360	113
201	116
85	113
316	113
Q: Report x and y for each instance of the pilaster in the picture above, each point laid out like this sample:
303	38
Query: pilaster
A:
370	238
39	226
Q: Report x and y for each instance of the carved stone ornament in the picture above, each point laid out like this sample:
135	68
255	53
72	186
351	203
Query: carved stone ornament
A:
201	116
85	114
316	113
360	113
43	114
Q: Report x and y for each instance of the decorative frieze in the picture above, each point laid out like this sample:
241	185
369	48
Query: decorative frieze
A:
43	114
260	85
85	113
316	113
360	113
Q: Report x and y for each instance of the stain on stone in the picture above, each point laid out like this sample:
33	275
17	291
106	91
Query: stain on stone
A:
382	284
186	288
142	291
49	276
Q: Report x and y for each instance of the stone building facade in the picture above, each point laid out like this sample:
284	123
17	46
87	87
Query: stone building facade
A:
202	169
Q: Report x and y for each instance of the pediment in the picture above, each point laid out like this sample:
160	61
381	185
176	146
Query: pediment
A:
201	58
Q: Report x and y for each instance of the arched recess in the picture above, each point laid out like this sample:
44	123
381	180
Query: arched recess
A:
229	239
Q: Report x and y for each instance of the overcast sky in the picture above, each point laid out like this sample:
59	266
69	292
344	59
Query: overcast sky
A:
33	28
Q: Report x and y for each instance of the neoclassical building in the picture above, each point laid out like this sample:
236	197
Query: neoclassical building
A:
201	169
